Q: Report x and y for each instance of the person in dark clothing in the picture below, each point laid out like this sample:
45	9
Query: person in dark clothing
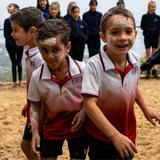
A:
152	60
43	5
150	24
68	15
92	18
79	34
15	52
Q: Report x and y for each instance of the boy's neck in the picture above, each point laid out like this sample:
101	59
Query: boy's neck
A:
119	61
33	44
61	72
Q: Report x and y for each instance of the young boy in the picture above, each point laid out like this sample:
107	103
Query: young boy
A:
110	89
25	24
58	84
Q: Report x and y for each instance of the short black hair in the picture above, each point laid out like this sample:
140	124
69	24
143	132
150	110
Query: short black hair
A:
27	17
93	1
52	28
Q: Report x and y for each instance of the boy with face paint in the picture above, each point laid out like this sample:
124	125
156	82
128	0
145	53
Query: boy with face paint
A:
58	84
110	90
25	23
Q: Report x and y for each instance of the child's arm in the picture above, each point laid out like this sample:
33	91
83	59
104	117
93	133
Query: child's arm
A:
150	113
78	120
122	143
34	117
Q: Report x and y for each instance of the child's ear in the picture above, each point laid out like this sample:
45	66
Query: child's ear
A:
33	29
102	36
68	47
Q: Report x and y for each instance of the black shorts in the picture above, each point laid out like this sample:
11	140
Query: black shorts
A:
27	135
151	41
100	150
53	148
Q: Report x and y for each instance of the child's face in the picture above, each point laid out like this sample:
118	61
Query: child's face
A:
54	52
120	35
21	37
93	7
43	3
54	10
11	9
152	8
75	14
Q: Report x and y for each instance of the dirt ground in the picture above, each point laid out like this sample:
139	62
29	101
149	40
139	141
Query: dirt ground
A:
12	123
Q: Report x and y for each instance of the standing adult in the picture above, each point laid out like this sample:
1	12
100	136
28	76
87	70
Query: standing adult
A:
15	52
92	18
150	24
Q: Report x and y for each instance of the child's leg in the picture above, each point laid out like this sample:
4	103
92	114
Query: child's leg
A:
51	149
102	150
26	143
78	147
26	148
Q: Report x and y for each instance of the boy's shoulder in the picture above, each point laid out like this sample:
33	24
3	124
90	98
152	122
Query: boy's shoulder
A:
133	56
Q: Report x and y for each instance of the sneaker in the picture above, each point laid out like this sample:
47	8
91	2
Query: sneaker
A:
148	74
155	73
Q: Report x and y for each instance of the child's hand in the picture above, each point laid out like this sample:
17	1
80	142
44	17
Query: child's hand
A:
36	145
24	111
152	115
124	146
78	121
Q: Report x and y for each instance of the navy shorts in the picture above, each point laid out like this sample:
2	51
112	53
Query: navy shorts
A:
27	135
151	41
53	148
100	150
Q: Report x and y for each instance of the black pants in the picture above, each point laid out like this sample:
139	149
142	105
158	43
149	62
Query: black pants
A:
93	44
16	61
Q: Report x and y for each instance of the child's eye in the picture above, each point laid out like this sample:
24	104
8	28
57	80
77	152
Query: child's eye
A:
55	50
114	32
43	51
129	31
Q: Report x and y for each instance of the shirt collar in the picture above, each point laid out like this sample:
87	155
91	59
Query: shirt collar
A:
74	69
108	64
32	51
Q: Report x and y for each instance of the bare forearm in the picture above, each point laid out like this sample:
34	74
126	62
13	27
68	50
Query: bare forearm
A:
96	115
34	117
140	100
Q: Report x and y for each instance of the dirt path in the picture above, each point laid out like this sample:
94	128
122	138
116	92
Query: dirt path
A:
12	123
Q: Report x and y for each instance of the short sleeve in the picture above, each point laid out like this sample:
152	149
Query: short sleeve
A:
33	91
90	82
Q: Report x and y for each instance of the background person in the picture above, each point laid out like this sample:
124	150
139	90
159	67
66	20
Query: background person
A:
15	52
92	19
150	24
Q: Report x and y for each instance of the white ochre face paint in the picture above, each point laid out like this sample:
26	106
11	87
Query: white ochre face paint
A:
49	42
122	22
